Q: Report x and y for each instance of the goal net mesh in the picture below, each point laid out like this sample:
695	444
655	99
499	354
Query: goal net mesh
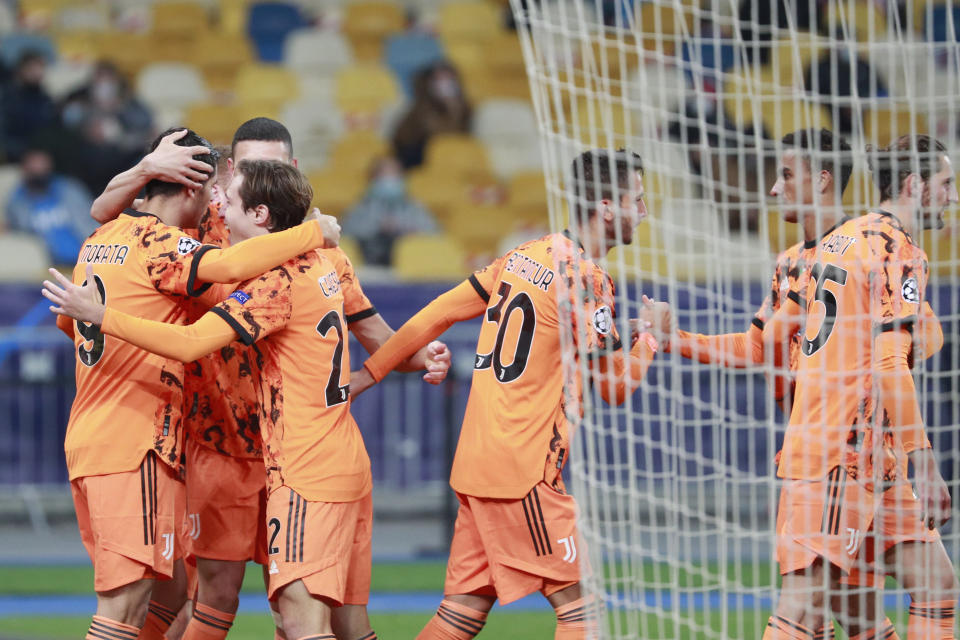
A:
677	487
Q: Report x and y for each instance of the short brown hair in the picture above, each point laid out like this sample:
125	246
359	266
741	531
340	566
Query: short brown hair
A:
915	153
601	173
279	186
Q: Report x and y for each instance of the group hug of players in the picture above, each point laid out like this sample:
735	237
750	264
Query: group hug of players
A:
212	419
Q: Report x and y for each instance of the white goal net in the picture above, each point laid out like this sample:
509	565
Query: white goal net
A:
677	487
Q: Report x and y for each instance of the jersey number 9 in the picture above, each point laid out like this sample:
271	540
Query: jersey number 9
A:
91	333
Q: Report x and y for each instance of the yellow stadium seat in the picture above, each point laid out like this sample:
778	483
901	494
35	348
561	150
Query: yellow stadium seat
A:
366	24
486	84
780	117
646	256
352	248
440	193
527	197
781	234
366	89
863	18
468	21
356	151
79	45
882	126
25	257
664	26
267	86
336	190
427	258
40	13
480	227
603	123
179	19
792	59
942	247
221	56
233	16
861	193
743	90
216	123
456	153
130	52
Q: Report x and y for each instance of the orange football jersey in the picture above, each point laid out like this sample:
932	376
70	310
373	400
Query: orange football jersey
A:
312	443
515	432
129	401
223	410
869	277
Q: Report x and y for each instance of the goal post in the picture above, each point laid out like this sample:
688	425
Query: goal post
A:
677	487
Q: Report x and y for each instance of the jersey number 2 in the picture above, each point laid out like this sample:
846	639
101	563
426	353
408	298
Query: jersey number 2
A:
821	274
91	332
497	314
335	392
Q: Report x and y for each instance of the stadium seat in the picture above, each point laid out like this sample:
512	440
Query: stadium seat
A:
317	52
368	23
171	85
217	122
221	56
527	197
780	234
944	23
267	86
942	247
25	258
80	46
179	20
129	52
64	76
612	123
862	18
8	19
494	119
861	192
9	179
427	258
882	125
336	189
269	24
439	192
352	248
644	258
668	23
407	53
314	126
14	45
365	89
357	150
86	17
40	14
746	90
469	20
456	153
781	117
479	227
233	16
486	84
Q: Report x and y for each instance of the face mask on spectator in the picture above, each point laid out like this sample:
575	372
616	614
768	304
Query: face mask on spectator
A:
105	92
37	181
445	87
388	188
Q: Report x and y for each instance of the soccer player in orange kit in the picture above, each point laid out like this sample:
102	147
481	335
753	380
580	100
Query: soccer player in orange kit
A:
124	439
515	531
317	468
222	419
847	502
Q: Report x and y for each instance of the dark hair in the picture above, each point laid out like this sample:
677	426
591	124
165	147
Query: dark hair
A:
262	130
890	165
280	186
592	176
833	153
158	187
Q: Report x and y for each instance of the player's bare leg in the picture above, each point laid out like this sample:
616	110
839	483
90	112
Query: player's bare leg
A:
351	622
121	611
803	596
859	610
574	615
278	632
925	571
166	599
218	590
179	625
460	617
304	616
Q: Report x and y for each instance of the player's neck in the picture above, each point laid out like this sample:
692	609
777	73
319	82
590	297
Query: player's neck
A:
903	212
814	227
169	210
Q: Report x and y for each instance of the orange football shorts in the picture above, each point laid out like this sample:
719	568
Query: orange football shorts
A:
129	522
226	505
511	548
324	544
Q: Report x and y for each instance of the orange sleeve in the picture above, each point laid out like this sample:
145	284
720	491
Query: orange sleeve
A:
460	303
617	375
177	342
898	395
736	350
930	335
65	324
781	326
256	255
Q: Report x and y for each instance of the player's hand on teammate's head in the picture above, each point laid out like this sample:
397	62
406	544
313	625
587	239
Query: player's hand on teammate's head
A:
170	162
360	381
438	362
79	302
330	226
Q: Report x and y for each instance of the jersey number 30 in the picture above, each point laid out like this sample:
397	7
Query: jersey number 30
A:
497	314
91	333
821	274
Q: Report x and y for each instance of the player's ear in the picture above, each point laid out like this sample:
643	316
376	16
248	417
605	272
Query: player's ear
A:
230	166
825	181
261	214
913	186
605	209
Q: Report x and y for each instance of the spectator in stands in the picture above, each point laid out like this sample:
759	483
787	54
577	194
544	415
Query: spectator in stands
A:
385	213
26	108
54	207
439	106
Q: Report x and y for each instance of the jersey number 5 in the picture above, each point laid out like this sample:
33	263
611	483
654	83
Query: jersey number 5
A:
497	314
91	333
335	392
821	274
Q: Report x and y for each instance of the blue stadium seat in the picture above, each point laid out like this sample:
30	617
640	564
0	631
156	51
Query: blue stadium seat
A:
939	27
13	45
268	26
406	53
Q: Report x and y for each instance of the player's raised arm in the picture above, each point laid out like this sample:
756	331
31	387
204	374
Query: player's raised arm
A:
168	162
